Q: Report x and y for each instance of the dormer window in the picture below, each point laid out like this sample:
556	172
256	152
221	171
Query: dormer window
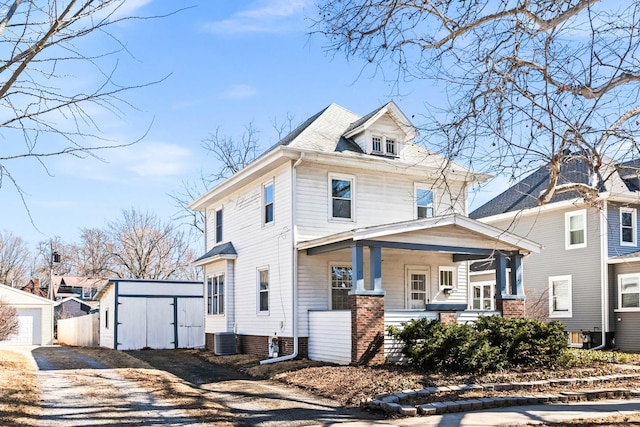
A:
391	147
376	144
383	145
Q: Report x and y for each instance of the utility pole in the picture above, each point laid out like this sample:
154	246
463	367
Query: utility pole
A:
54	258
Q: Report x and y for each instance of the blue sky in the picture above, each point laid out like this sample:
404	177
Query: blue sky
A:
230	63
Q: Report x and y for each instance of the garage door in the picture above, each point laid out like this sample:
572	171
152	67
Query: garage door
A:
145	322
30	323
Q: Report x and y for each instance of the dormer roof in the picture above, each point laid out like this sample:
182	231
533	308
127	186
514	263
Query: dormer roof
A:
394	113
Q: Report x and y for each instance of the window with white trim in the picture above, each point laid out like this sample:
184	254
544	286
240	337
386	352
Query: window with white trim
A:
628	227
560	296
342	191
424	203
219	226
267	197
629	291
576	229
482	295
263	290
341	281
215	294
447	277
384	145
418	282
87	293
390	146
376	144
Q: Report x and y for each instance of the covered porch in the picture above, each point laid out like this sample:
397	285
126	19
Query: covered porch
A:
410	270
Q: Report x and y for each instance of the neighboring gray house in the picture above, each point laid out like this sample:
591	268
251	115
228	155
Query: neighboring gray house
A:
588	274
342	228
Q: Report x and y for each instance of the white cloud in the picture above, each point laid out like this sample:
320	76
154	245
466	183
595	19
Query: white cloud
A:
267	16
241	91
157	159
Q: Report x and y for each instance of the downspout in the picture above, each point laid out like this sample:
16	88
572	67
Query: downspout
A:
604	274
294	271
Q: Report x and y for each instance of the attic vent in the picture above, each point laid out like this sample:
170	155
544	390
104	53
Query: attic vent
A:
224	343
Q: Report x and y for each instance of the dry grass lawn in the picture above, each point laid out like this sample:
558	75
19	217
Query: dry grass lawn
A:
19	396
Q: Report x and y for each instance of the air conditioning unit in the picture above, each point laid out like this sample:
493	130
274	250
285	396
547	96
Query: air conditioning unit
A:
224	343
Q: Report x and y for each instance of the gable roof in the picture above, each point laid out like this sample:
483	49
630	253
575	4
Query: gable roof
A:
17	293
525	193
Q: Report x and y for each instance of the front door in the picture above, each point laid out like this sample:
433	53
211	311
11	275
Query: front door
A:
417	288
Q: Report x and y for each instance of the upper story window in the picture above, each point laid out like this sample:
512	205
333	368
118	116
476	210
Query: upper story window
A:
219	226
342	190
341	279
267	196
424	203
215	294
384	145
560	296
376	144
576	229
263	290
629	291
628	227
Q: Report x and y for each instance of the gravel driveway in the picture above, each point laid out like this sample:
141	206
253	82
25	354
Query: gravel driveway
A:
79	390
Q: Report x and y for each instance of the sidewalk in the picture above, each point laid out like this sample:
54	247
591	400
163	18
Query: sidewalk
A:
515	415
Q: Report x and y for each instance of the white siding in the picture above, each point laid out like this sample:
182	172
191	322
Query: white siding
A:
330	336
393	347
34	313
160	288
257	246
107	318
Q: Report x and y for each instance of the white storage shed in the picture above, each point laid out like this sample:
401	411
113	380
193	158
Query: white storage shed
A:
35	317
137	314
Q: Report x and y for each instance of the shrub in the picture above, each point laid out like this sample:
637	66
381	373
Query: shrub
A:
492	343
8	320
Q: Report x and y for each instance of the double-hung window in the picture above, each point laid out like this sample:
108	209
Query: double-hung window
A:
424	203
341	279
342	191
267	197
628	227
215	294
447	277
376	144
560	296
482	298
219	226
263	290
576	229
391	146
629	291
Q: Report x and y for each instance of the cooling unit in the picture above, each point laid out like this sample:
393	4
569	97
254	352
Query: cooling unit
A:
224	343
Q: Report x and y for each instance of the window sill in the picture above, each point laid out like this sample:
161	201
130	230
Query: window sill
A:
262	313
575	247
560	315
629	244
215	315
627	310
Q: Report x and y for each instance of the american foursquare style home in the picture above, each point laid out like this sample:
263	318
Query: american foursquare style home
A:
588	274
344	227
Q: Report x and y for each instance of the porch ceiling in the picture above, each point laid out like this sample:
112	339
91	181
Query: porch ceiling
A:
454	233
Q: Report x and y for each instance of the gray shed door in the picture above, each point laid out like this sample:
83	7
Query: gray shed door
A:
30	329
145	322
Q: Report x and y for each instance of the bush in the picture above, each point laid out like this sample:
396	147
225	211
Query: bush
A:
8	321
492	343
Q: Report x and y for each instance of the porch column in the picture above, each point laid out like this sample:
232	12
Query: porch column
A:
515	278
501	275
367	329
357	267
375	268
510	302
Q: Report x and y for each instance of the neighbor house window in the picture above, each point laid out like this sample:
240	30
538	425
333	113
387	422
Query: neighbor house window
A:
215	294
219	226
268	203
424	203
341	280
376	144
560	296
446	277
482	296
263	290
576	229
341	197
629	291
628	227
86	293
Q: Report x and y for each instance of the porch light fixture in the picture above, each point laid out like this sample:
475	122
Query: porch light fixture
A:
447	290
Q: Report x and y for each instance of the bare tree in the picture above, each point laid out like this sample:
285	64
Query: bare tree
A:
8	320
146	248
528	82
14	260
93	256
46	111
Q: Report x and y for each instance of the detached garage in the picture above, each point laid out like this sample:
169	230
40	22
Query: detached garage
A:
35	317
137	314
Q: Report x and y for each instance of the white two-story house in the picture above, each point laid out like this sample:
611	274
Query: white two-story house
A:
588	274
345	226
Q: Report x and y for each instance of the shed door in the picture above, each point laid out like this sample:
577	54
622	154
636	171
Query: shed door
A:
145	322
190	323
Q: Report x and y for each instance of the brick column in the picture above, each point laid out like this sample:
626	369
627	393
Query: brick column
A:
367	329
448	317
512	308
